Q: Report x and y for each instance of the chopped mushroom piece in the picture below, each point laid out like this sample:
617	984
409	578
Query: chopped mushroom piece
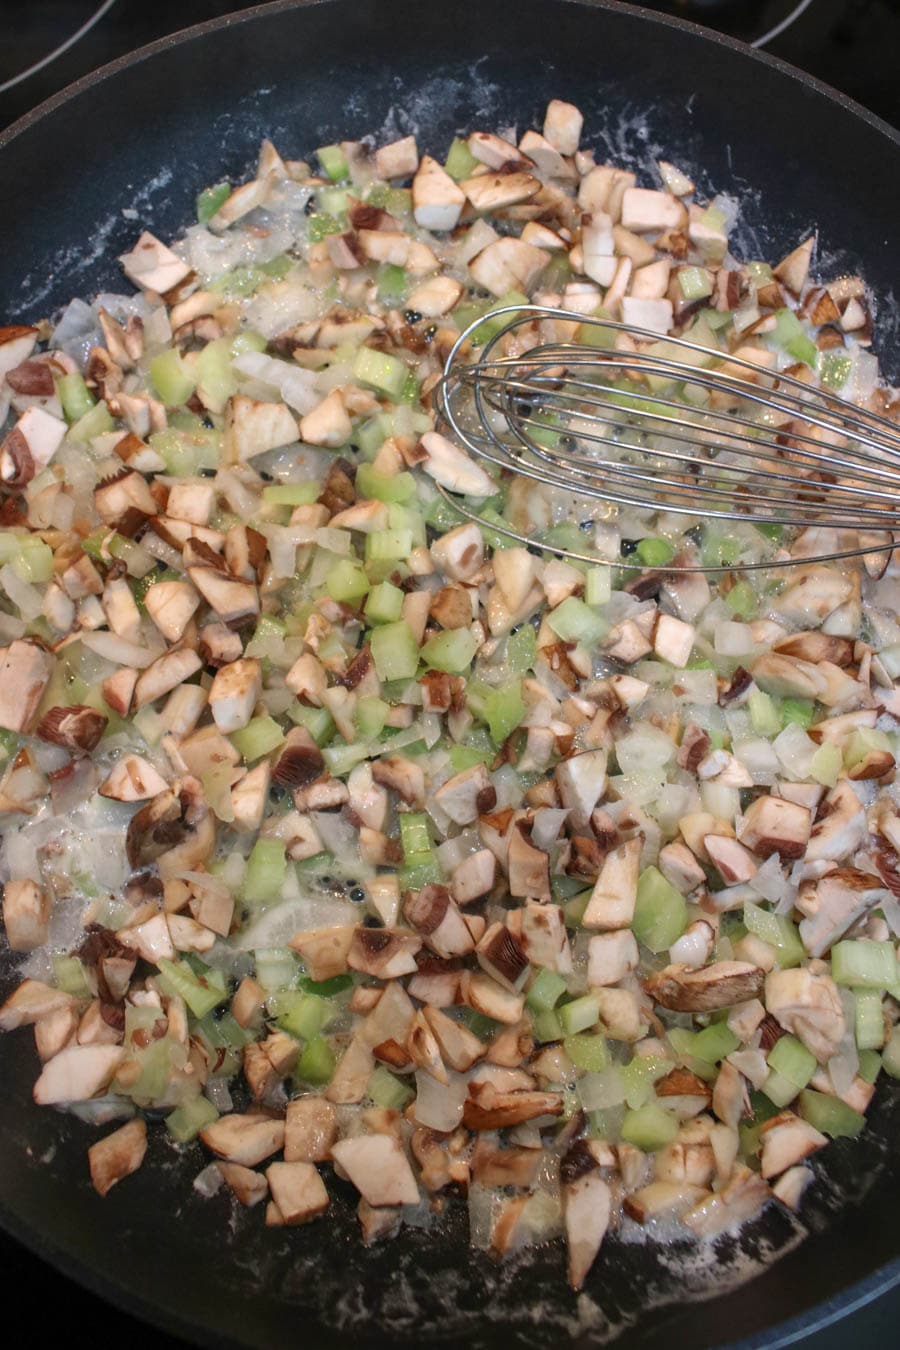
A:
719	985
77	1073
26	914
117	1155
25	671
244	1139
378	1168
248	1186
786	1140
297	1190
615	892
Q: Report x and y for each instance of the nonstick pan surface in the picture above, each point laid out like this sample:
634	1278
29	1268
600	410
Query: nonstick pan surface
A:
143	135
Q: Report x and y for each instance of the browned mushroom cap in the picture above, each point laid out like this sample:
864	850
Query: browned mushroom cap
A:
384	953
716	986
815	647
117	1155
529	867
299	761
488	1109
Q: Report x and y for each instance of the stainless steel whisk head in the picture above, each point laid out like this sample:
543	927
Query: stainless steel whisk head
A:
609	411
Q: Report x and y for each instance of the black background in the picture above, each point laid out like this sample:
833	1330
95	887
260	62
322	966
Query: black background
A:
853	45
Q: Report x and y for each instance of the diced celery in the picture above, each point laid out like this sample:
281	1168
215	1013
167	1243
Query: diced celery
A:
266	870
384	487
695	283
791	337
639	1076
170	378
300	1014
276	968
259	737
346	582
316	1064
869	1021
521	649
95	422
504	709
389	546
318	721
334	162
778	931
74	395
371	715
381	370
579	1014
714	1042
869	1065
464	756
798	712
586	1052
864	964
759	272
209	201
268	638
765	714
573	910
450	651
186	453
292	494
423	869
790	1058
69	975
779	1090
862	741
574	621
392	283
320	225
384	603
655	552
660	911
741	600
834	368
33	562
649	1127
340	759
394	651
460	162
187	1120
387	1090
201	993
830	1115
414	834
597	585
547	1026
215	379
890	1058
545	990
248	340
719	550
338	984
826	764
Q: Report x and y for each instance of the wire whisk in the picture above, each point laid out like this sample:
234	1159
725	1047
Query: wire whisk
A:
607	411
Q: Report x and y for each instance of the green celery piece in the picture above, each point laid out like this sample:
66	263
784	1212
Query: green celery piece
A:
649	1127
392	283
655	552
588	1053
799	711
864	964
660	911
547	1026
382	371
451	651
741	600
579	1014
545	990
414	834
259	737
384	603
334	162
338	984
321	225
790	1058
778	931
574	621
95	422
75	397
200	994
187	1120
266	870
422	869
395	652
209	201
316	1064
521	649
292	494
346	582
371	715
714	1042
830	1115
387	1090
460	162
301	1014
384	487
504	709
69	976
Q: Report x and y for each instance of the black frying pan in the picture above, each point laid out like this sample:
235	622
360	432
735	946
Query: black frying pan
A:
145	134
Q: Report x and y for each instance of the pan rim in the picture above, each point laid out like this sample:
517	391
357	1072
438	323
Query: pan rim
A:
857	1294
261	11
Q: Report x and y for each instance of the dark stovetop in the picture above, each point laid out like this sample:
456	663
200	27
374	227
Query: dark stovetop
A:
850	44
